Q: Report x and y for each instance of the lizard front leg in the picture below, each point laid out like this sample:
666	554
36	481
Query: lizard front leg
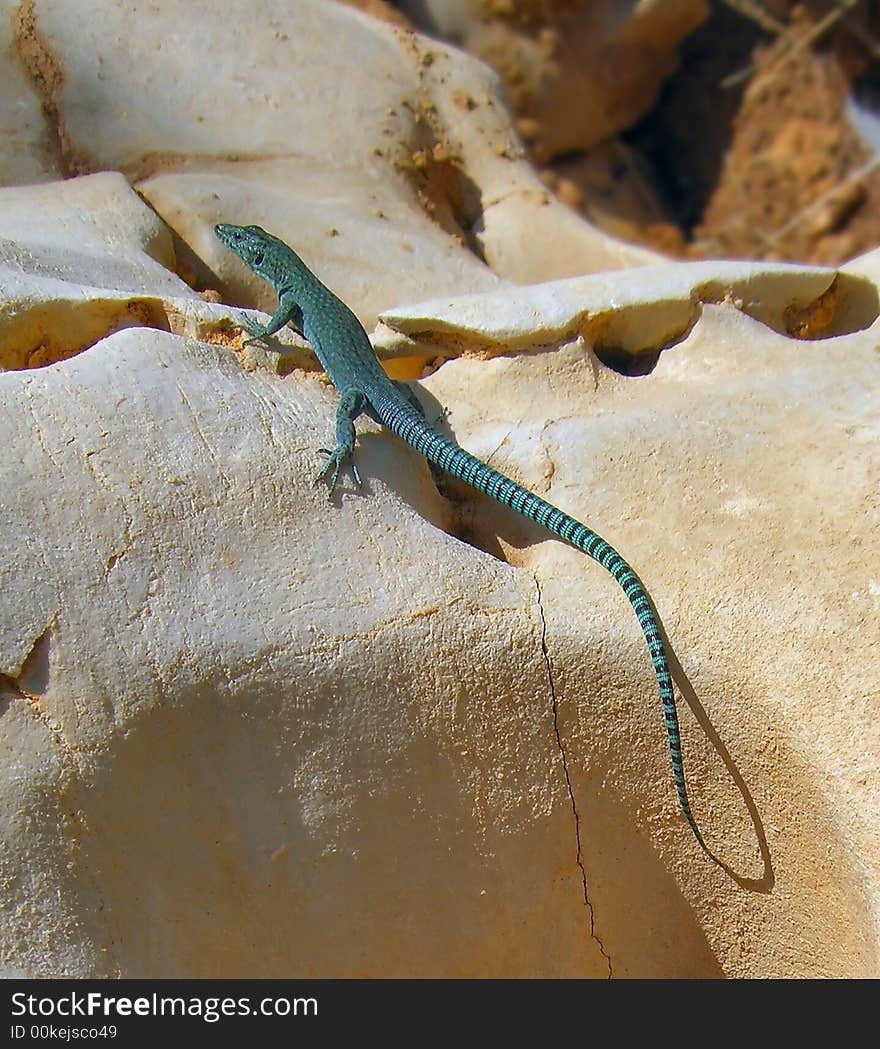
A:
288	312
351	403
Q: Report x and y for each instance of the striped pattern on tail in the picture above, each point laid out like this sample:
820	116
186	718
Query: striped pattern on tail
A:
411	427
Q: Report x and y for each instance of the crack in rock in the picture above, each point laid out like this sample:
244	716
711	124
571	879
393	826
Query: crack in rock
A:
577	821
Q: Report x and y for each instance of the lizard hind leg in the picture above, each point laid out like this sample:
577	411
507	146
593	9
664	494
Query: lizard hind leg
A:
351	403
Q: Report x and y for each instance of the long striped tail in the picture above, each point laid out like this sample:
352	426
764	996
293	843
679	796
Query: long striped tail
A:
411	427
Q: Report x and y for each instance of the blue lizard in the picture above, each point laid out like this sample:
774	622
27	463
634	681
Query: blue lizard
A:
345	352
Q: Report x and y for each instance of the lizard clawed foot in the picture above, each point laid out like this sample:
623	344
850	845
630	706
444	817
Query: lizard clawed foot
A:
256	331
336	459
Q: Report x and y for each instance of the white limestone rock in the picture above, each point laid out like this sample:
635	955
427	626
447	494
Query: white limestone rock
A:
318	92
30	150
250	731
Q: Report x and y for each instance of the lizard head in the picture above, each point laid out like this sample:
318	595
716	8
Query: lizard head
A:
248	242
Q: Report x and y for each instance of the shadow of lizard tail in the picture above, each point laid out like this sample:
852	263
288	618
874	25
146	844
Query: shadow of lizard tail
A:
409	425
